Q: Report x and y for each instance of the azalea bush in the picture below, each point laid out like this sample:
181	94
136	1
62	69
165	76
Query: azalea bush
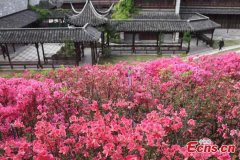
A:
146	110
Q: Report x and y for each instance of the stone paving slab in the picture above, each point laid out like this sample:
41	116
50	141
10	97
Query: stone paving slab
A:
29	53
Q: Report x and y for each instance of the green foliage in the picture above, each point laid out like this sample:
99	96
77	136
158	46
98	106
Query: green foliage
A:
115	38
107	52
187	74
44	13
123	9
187	37
69	49
110	29
183	55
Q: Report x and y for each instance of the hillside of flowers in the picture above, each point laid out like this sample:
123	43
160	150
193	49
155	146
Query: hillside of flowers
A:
140	111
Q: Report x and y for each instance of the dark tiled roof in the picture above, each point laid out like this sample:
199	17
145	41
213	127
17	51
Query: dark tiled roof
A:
155	15
199	22
49	35
160	21
209	10
87	15
150	25
201	25
18	20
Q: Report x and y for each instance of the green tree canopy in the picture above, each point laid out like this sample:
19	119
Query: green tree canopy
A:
123	9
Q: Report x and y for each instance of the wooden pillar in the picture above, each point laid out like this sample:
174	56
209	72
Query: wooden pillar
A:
188	49
158	42
82	48
181	42
92	53
133	43
160	39
9	58
103	41
13	46
212	38
96	52
197	38
3	50
39	60
78	53
44	58
108	39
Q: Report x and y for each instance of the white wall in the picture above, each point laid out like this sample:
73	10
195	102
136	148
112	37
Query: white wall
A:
34	2
11	6
178	5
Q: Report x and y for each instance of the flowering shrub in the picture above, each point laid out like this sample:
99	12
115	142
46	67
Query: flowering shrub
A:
143	111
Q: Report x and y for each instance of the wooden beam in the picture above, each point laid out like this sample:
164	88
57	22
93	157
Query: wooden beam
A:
9	58
39	60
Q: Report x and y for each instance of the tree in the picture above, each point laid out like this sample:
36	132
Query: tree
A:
123	9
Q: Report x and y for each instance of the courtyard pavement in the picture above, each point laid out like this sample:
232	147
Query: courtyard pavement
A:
29	52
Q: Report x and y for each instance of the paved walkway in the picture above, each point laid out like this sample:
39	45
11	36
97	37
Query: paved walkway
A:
216	51
29	52
227	34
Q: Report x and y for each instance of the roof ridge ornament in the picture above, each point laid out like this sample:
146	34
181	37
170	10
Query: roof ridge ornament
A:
94	10
87	15
74	10
85	26
107	12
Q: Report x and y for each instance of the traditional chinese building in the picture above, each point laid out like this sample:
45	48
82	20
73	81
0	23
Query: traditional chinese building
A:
224	12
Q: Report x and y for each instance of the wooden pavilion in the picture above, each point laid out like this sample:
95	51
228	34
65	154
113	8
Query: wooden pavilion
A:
86	35
155	23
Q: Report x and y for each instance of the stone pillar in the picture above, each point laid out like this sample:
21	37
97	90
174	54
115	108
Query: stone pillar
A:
122	36
178	5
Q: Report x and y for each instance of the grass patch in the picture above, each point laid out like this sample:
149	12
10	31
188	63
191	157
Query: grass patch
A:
10	73
18	73
128	58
